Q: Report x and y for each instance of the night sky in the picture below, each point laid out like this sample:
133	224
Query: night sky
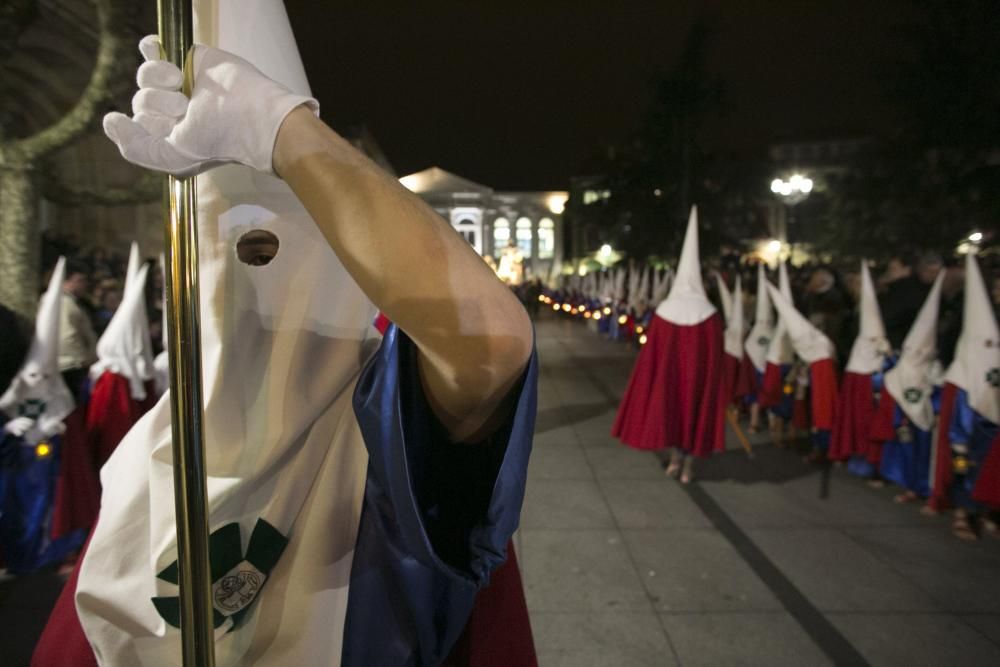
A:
516	95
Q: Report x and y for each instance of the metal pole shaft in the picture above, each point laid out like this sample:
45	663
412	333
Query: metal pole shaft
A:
186	402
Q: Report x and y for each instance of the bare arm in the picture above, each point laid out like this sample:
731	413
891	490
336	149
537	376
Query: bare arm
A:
473	336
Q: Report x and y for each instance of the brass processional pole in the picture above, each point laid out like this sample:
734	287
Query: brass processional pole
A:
184	345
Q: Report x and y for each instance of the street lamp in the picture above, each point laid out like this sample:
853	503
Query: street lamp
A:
794	190
790	192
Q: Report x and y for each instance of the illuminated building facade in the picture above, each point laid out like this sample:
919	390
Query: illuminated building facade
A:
491	220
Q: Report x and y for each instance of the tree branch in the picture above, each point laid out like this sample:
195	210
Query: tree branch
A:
110	63
149	187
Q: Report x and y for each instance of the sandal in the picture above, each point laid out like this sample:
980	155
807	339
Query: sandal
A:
964	531
687	476
929	510
905	498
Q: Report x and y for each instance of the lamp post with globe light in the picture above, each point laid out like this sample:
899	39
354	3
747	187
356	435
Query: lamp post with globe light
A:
791	192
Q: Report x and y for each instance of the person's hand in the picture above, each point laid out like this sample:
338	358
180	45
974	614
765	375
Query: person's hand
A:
49	427
233	115
18	426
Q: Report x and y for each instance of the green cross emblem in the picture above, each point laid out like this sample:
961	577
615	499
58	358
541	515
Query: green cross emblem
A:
32	407
993	377
237	578
913	395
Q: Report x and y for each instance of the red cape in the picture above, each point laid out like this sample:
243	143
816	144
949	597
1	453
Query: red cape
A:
497	634
675	395
987	487
735	383
823	393
78	489
940	499
772	386
746	382
800	414
883	427
111	414
851	428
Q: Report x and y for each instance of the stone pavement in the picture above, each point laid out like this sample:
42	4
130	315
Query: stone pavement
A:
748	566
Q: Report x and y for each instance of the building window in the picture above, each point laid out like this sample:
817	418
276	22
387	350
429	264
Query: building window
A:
501	235
546	238
468	229
523	236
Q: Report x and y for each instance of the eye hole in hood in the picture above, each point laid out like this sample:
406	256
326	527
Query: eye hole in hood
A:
257	247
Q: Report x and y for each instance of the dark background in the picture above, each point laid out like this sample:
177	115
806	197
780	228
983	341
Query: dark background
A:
517	95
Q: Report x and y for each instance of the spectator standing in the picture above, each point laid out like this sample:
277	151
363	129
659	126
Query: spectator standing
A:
904	295
77	339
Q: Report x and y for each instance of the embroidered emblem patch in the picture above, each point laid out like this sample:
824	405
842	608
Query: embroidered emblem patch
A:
993	377
763	341
237	578
32	408
913	395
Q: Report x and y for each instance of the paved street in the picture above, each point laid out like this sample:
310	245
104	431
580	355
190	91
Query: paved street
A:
749	566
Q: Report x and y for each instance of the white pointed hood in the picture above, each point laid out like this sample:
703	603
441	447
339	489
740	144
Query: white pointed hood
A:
662	287
687	304
976	367
620	276
134	262
38	390
759	339
641	290
125	347
633	283
911	380
146	363
280	362
808	341
779	350
734	324
161	364
607	287
725	296
871	346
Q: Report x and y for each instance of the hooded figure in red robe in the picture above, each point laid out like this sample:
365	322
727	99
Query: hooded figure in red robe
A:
675	396
756	345
122	376
777	391
818	353
966	461
737	384
862	384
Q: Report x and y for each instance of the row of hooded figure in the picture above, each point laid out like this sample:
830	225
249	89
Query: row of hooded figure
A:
618	301
54	441
896	416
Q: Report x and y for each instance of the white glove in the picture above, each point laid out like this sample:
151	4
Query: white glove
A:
18	426
49	427
233	115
